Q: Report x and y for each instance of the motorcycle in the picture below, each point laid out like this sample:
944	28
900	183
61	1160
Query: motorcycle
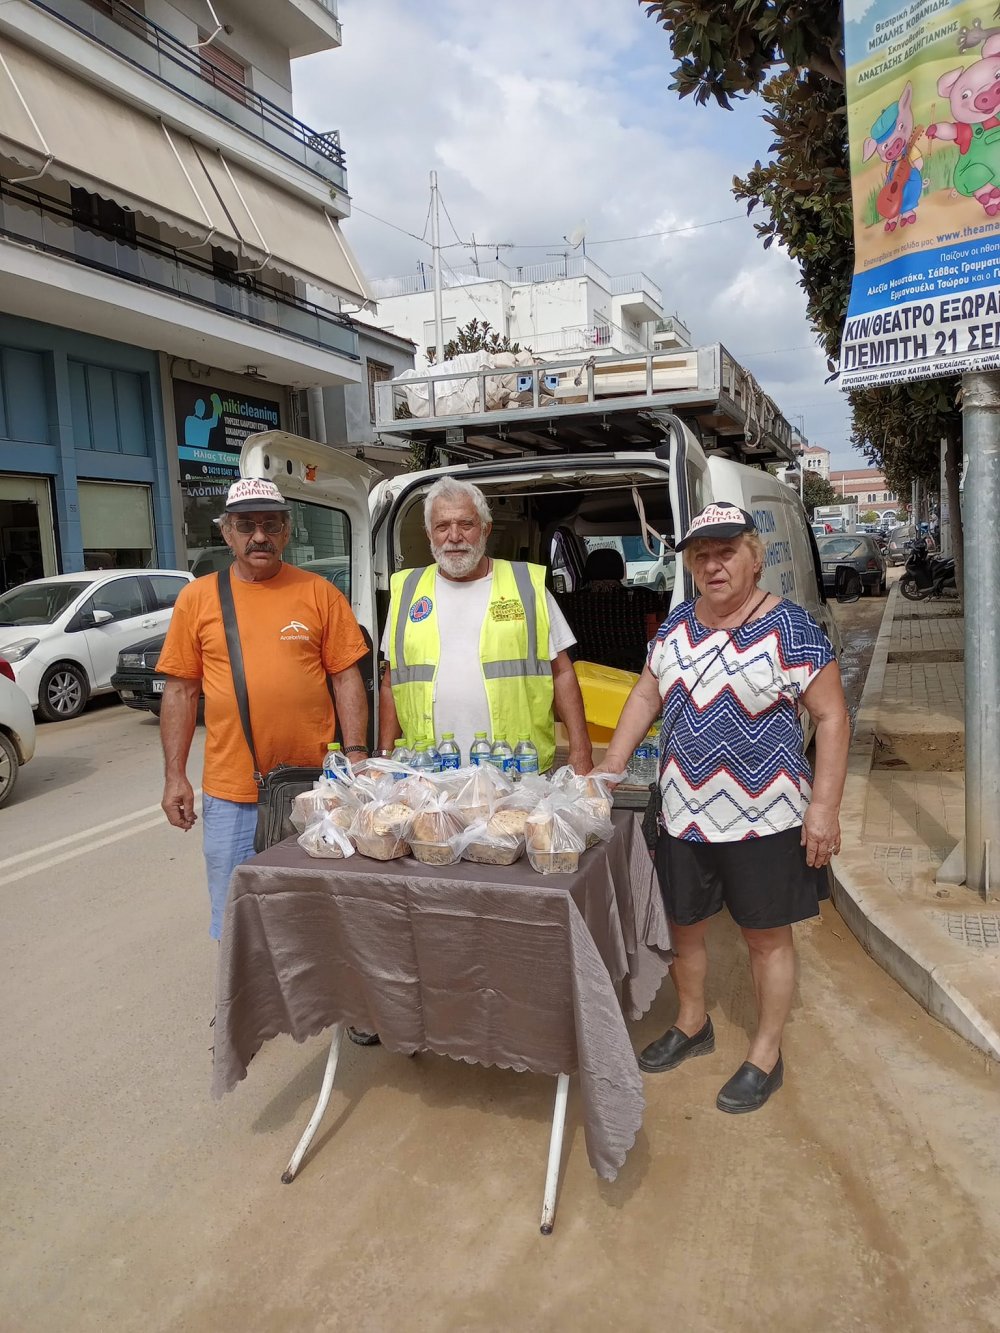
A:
926	575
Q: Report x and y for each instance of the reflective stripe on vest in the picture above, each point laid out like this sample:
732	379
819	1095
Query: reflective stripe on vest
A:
402	674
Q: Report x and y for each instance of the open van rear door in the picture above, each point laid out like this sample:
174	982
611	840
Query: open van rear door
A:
690	485
329	489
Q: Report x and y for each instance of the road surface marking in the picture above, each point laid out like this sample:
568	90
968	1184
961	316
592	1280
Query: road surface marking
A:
79	844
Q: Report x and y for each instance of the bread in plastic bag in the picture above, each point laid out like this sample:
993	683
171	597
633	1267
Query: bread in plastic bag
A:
552	838
326	834
497	840
324	795
436	833
483	789
378	829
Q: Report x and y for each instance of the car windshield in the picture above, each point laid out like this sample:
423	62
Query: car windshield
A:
38	603
839	548
634	551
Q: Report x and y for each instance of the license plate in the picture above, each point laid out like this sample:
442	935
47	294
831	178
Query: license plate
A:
159	686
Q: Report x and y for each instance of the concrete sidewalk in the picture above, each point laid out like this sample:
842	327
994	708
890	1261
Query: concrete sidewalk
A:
904	811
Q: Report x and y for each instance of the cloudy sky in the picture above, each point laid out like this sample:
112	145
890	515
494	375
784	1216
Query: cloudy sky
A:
541	117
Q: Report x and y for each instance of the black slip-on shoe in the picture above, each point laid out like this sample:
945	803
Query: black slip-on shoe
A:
749	1088
668	1051
364	1038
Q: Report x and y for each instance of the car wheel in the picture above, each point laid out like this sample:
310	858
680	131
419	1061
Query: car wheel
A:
154	708
63	692
8	767
882	587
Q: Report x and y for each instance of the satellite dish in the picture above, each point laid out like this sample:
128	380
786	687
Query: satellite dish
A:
576	236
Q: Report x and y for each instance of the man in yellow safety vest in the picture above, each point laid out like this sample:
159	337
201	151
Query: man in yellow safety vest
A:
477	644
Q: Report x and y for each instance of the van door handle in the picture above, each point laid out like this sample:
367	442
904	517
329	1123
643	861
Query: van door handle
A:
148	624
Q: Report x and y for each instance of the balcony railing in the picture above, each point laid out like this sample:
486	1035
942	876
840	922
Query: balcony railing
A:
33	219
139	40
583	338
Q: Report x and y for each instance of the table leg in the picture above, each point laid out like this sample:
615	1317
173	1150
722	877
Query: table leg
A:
324	1100
555	1155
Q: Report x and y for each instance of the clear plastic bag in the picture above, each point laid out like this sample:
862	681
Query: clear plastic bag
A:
553	838
378	829
326	835
482	791
498	840
436	833
324	795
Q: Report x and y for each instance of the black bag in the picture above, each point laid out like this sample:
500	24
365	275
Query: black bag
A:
651	816
277	790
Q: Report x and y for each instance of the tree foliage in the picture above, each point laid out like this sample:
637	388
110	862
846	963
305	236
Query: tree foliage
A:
791	53
475	337
816	490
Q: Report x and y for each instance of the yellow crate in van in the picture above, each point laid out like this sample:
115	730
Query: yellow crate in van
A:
604	691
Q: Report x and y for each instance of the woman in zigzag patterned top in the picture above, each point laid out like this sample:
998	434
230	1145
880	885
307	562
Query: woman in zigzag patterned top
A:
744	824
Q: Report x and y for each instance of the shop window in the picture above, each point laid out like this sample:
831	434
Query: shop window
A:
116	525
108	409
23	396
378	373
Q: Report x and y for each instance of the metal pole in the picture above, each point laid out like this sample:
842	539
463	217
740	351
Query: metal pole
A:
436	247
981	433
944	511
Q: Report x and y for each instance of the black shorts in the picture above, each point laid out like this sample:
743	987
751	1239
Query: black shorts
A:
764	882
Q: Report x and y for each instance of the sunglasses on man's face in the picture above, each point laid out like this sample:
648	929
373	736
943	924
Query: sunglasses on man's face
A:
246	527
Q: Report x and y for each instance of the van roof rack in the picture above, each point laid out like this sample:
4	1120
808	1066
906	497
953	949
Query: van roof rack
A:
600	404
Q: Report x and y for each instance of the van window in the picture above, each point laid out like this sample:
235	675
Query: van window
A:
321	543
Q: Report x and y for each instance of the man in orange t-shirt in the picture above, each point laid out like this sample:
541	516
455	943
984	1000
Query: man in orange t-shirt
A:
296	630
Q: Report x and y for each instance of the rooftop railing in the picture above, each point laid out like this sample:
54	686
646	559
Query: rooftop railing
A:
139	40
33	219
495	270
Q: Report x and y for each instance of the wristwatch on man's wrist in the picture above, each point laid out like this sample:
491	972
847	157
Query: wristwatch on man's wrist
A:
355	749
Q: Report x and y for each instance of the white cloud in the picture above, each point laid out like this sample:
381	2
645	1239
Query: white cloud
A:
537	115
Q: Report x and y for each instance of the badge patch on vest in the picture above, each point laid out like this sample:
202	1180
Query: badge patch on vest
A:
421	609
506	608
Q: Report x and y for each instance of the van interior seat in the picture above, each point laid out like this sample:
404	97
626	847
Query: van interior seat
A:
612	623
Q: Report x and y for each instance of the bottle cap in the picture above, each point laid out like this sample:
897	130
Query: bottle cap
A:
524	738
399	744
333	745
447	735
480	735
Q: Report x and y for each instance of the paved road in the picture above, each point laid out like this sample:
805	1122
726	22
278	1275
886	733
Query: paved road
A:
866	1196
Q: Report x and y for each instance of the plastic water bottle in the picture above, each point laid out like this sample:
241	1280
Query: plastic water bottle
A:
335	764
435	755
501	755
525	757
451	755
401	754
644	765
480	751
421	760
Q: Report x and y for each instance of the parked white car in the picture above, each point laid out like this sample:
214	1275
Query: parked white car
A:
62	635
17	730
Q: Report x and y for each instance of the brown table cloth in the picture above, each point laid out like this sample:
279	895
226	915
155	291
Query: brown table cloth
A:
494	965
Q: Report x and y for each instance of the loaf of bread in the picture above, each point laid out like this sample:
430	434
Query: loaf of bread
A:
376	830
553	844
499	841
436	836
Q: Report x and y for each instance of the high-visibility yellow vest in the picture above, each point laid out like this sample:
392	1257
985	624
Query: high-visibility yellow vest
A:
513	655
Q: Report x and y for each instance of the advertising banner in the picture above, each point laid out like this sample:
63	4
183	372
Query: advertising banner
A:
923	91
212	424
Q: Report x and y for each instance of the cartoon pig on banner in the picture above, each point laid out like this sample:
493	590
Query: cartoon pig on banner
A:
890	138
974	94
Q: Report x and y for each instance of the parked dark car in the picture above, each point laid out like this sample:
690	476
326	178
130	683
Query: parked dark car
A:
135	678
898	549
860	551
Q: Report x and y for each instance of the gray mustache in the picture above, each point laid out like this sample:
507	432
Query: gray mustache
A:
260	546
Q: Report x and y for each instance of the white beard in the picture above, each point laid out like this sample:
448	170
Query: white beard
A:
457	565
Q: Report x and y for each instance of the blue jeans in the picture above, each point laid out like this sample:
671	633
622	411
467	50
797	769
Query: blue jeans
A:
228	829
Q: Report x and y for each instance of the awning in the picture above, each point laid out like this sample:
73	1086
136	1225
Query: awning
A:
298	238
51	119
55	123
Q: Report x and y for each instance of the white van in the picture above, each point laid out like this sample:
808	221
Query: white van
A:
545	509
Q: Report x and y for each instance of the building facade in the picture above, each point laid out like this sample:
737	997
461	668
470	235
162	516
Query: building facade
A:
172	267
868	486
555	310
816	459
